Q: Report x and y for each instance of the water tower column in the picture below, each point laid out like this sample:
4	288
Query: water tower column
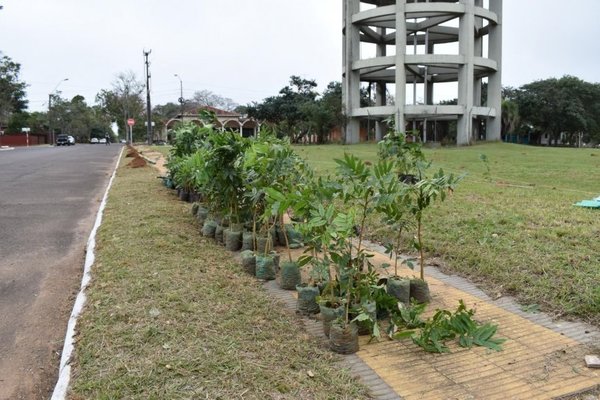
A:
466	73
494	125
351	78
400	62
380	90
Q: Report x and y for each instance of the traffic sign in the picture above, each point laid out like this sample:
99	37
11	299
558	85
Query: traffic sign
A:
130	121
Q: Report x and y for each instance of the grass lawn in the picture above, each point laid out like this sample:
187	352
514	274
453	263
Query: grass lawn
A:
170	315
514	231
164	150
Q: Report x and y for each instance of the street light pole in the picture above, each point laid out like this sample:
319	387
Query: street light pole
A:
148	106
50	108
180	95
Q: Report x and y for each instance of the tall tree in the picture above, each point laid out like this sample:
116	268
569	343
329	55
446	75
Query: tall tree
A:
299	112
100	122
326	113
510	116
36	121
78	119
125	101
207	98
17	121
161	114
58	115
289	110
167	111
12	89
560	106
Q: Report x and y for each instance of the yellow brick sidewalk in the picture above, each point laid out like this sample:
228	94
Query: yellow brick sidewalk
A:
536	363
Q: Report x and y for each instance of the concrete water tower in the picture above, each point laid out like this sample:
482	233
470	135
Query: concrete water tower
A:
407	49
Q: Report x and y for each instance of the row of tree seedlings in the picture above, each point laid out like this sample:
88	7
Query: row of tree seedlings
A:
257	192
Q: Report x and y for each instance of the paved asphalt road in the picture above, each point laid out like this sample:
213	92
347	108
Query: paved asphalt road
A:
49	197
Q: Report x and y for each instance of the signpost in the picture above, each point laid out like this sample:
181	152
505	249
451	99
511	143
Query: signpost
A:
131	123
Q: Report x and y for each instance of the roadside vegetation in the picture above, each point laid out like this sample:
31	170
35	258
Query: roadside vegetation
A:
171	315
510	226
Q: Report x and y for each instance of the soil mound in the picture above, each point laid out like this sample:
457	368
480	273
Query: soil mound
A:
138	161
131	152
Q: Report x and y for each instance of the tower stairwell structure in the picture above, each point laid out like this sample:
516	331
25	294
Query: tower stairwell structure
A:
405	46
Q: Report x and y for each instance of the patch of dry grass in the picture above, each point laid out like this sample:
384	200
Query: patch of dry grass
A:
171	315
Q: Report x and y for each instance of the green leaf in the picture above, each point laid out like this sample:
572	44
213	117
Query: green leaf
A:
465	341
362	317
400	335
304	260
376	332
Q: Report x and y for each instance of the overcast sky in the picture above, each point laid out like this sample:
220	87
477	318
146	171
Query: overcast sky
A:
247	49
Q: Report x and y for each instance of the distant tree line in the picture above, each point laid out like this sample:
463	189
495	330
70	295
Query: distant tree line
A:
301	113
12	90
74	117
123	100
567	108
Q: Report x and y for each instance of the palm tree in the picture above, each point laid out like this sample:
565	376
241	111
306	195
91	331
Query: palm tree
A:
510	116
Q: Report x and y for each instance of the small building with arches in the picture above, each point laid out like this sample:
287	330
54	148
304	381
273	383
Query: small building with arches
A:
226	120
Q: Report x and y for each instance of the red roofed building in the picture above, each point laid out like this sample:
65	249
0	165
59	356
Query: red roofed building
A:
231	120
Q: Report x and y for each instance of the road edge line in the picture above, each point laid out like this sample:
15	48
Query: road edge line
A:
64	371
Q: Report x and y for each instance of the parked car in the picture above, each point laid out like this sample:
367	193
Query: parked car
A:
93	140
63	140
102	140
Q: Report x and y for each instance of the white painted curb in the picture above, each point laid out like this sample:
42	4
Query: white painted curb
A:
64	372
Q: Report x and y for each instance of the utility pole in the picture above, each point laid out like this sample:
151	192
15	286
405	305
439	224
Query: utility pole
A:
148	106
126	116
181	100
50	128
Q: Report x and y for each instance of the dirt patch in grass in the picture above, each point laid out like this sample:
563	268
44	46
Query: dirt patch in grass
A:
137	162
172	315
158	156
131	152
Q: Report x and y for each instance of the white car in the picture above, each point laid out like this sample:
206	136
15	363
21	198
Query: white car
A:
102	140
93	140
